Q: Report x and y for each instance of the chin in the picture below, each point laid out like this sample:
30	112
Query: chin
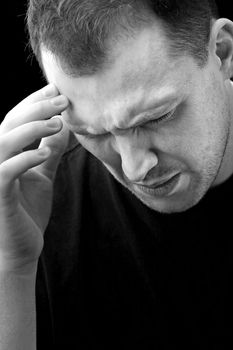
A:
167	206
170	205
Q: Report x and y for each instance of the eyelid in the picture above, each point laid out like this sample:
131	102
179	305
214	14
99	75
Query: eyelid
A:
162	118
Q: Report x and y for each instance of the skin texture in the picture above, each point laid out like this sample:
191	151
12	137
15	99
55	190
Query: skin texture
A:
196	141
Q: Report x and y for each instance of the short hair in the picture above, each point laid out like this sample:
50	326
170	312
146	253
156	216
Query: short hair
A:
77	31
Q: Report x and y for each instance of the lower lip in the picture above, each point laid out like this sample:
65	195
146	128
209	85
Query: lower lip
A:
163	190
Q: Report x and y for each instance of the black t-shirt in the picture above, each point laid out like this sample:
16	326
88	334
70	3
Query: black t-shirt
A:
114	273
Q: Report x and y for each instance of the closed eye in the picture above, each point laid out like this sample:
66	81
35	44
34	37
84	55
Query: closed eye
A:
162	118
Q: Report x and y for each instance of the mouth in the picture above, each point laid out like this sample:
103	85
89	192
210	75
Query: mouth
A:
160	189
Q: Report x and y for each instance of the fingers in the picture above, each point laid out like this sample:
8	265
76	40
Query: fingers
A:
25	135
48	91
13	167
57	143
43	109
23	125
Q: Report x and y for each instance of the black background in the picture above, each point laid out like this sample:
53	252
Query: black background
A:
21	74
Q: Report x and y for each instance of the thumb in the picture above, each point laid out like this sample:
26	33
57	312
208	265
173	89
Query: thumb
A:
58	144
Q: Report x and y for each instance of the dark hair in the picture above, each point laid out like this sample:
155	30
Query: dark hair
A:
77	32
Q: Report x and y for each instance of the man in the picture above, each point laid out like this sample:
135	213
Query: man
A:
138	247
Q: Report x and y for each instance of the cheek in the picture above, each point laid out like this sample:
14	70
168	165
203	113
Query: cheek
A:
197	141
183	139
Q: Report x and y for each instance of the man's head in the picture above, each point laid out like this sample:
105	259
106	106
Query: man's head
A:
149	90
94	24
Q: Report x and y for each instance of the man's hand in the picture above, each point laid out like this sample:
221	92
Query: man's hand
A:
26	177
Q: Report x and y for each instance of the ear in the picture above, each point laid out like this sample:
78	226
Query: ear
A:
221	45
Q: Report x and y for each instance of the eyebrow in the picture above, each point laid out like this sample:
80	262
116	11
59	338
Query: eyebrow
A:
143	116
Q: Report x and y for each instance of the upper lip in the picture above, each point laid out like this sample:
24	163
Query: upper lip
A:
157	183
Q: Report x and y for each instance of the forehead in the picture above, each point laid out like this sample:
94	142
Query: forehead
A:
138	58
140	68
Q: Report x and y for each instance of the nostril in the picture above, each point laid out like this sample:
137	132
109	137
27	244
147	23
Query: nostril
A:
138	172
137	169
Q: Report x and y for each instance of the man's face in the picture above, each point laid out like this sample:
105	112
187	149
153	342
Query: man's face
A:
160	126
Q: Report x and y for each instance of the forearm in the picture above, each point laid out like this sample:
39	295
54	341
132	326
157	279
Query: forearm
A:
17	312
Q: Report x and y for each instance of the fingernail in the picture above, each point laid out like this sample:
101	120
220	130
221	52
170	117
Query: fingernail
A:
54	123
50	90
44	152
59	101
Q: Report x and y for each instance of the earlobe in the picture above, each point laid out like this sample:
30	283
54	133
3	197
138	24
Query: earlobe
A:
222	36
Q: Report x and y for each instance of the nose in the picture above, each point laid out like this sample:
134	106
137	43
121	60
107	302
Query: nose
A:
137	159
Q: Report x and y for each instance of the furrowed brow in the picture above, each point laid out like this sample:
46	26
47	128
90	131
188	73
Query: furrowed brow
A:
141	118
